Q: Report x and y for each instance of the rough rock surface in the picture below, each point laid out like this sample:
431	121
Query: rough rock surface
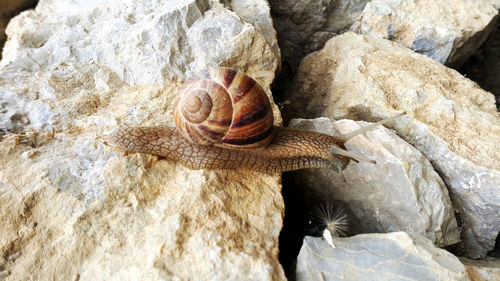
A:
401	192
74	209
304	26
450	119
9	9
482	270
143	44
390	256
448	31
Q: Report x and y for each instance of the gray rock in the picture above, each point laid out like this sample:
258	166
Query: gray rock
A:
450	119
142	44
401	192
390	256
448	31
304	26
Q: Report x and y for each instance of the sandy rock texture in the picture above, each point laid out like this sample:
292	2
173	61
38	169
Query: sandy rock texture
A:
75	209
452	121
401	192
389	256
447	31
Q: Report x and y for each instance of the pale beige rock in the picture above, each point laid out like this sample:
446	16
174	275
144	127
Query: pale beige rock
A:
75	209
449	31
401	192
105	216
389	256
450	119
482	270
8	9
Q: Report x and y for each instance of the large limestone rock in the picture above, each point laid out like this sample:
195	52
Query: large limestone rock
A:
448	31
390	256
450	119
401	192
144	43
74	209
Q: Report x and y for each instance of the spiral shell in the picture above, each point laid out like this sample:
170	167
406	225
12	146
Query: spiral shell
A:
224	107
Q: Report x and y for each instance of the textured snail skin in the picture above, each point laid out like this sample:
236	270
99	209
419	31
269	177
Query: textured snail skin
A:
291	149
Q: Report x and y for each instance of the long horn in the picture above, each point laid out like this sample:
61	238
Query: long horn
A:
364	129
353	156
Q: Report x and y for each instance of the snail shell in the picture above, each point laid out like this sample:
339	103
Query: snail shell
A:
224	107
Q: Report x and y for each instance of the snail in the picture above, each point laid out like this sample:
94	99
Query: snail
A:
224	120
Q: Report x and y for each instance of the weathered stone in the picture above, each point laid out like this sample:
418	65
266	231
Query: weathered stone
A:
76	210
9	9
449	119
448	31
402	192
73	208
390	256
143	44
482	270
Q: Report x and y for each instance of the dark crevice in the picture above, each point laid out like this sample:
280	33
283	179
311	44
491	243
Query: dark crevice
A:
483	67
292	233
496	250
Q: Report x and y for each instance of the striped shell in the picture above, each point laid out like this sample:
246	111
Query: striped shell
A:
224	107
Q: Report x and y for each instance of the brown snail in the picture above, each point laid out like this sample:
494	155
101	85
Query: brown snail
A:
224	120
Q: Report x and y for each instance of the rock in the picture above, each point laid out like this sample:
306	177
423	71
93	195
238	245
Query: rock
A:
144	44
448	31
496	4
449	118
75	209
100	215
390	256
258	14
402	192
304	26
8	10
482	270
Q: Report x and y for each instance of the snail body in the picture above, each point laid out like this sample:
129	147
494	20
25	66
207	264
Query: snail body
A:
290	149
224	120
